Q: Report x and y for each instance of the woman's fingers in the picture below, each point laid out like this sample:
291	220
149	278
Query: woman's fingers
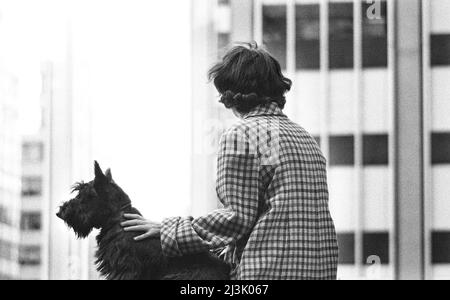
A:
137	228
147	235
132	223
137	223
133	216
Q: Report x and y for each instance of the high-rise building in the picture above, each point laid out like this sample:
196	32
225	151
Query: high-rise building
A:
66	138
10	174
373	90
437	135
31	238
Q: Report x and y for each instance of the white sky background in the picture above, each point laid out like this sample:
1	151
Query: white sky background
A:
137	53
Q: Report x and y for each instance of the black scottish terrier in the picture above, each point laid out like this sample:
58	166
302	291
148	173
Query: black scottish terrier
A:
100	204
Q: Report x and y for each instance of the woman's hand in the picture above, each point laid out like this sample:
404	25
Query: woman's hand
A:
139	224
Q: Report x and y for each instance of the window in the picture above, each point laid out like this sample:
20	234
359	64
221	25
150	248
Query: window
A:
30	255
440	148
222	26
440	241
342	151
32	186
32	152
5	217
341	35
346	243
224	40
275	31
376	150
30	221
376	243
440	49
375	42
6	250
308	36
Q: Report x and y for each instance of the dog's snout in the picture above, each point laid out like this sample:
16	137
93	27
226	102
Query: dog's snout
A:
60	213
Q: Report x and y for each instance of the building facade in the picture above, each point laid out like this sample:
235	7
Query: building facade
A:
67	159
10	170
437	134
32	209
352	64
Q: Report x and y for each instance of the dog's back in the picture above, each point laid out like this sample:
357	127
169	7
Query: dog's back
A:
120	257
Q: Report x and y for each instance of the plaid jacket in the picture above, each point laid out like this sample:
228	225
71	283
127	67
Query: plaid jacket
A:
275	223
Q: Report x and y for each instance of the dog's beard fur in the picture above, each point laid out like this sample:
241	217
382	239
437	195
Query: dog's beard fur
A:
76	219
79	213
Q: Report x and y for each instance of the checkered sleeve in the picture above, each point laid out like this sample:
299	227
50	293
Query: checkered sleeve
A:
237	189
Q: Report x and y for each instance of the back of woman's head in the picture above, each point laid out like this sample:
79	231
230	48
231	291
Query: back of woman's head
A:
247	77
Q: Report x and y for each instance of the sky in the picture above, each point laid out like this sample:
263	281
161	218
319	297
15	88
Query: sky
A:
27	37
136	56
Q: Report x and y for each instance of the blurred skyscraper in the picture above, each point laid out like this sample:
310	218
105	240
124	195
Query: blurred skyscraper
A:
34	202
51	165
10	174
32	207
67	137
48	250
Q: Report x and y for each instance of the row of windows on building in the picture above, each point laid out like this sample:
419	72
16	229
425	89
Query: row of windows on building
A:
378	243
374	243
341	37
28	255
375	149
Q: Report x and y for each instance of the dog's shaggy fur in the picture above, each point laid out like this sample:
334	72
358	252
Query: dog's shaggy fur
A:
101	204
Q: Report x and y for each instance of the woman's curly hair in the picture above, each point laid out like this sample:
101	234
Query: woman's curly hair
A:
249	76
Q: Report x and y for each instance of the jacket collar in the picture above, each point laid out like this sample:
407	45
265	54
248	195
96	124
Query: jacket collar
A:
271	109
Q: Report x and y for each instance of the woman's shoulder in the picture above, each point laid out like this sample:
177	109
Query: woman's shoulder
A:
235	131
243	127
253	131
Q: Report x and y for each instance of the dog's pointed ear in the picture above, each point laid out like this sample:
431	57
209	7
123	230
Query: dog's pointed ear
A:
108	175
99	176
